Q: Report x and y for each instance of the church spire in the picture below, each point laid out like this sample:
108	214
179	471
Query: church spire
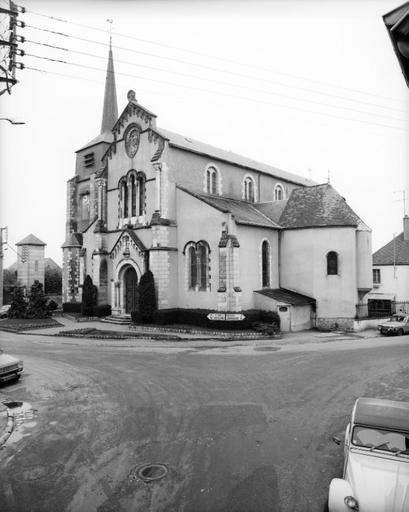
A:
110	111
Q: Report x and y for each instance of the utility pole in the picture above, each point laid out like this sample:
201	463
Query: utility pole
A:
2	242
9	46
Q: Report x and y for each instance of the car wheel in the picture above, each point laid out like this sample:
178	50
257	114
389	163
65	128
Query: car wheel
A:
400	332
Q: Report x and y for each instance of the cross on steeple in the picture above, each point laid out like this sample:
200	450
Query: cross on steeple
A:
405	198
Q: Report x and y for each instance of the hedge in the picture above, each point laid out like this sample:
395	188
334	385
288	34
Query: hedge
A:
199	318
75	307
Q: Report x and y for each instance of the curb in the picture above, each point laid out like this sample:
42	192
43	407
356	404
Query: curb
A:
9	428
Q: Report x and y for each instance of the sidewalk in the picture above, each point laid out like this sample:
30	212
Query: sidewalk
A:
201	334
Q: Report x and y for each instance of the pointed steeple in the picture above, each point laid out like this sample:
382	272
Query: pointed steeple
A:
110	112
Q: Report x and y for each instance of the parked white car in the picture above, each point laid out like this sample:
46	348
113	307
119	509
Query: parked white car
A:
376	464
11	368
4	310
397	324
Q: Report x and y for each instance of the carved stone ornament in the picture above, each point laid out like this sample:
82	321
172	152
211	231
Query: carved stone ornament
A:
132	138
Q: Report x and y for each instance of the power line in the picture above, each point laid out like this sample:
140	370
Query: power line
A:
272	93
216	57
218	93
234	73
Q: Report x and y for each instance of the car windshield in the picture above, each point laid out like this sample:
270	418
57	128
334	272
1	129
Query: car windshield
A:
380	439
397	318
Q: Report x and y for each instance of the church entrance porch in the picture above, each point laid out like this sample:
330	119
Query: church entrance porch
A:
130	290
125	290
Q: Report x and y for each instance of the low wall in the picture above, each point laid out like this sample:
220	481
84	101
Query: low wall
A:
335	324
368	323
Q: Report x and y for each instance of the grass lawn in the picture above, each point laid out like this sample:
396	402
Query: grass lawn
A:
24	324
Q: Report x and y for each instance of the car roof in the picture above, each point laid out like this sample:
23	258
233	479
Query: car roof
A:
381	413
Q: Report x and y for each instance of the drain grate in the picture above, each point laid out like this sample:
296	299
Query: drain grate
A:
150	472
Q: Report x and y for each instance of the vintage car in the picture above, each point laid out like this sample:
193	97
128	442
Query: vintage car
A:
10	367
397	324
376	463
4	311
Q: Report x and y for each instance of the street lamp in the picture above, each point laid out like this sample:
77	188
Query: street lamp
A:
397	24
12	121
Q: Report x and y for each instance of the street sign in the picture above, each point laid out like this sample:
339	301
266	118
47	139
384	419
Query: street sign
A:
234	316
216	316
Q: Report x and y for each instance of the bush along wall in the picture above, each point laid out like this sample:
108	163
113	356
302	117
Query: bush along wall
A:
89	297
147	298
199	317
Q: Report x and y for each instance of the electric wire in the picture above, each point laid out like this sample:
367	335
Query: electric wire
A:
307	100
211	68
219	93
202	54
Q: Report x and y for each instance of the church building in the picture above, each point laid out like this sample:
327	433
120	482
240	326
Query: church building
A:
219	231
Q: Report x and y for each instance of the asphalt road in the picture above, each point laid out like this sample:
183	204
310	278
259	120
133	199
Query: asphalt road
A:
240	428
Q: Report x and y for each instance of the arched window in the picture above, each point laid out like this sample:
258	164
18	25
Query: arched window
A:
332	263
125	199
198	265
141	194
133	195
203	266
265	264
278	192
85	206
249	189
212	180
192	267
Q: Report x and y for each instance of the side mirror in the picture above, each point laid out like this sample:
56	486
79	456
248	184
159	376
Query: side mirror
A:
336	440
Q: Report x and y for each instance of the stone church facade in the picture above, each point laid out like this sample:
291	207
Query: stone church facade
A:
219	231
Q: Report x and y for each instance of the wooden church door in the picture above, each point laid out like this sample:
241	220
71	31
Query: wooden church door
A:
131	290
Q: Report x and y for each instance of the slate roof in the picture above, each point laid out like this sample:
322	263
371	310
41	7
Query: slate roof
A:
73	240
195	146
318	206
388	254
272	209
31	240
106	136
286	296
243	211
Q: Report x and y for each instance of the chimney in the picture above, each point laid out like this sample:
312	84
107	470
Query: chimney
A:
406	227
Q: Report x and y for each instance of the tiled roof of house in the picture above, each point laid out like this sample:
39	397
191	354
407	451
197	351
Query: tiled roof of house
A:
394	252
286	296
30	240
195	146
318	206
242	211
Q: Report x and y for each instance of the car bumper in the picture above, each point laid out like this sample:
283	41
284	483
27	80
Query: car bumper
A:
12	375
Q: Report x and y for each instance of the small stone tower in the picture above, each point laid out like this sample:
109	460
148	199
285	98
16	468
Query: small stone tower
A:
30	261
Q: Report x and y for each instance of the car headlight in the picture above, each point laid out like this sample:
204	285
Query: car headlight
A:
351	503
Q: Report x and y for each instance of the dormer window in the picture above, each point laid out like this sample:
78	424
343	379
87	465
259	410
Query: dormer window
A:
89	160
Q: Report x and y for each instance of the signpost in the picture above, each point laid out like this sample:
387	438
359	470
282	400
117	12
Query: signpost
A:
229	317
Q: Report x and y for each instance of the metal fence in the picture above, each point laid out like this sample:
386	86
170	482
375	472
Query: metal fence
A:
381	308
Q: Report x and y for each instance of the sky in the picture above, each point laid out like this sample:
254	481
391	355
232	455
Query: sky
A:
311	87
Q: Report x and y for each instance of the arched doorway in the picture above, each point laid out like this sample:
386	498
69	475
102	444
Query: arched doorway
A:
131	290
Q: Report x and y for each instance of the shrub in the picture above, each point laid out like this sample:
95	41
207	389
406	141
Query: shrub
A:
89	297
37	302
270	317
71	307
18	304
147	297
52	280
52	305
102	310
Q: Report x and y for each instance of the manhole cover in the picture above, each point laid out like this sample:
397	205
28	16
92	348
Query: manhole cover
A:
150	472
